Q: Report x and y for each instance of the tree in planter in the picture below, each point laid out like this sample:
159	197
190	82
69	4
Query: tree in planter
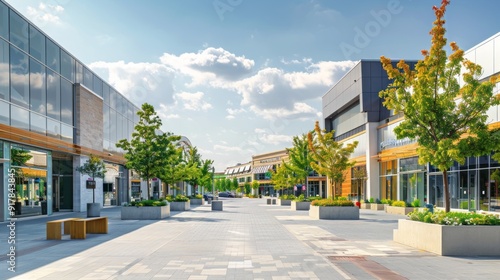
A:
359	176
255	186
299	162
330	157
448	122
94	168
150	151
282	178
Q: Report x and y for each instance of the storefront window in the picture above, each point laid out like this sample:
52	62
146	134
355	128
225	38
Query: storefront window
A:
31	181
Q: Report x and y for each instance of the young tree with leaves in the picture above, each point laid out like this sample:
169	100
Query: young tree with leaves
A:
94	167
330	157
150	150
448	121
299	159
282	178
255	186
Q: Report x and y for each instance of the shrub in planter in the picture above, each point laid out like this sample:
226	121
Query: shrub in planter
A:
399	203
416	203
454	218
145	210
449	234
332	202
288	197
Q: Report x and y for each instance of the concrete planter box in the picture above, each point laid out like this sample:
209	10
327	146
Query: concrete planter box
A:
378	207
366	206
179	205
217	205
145	212
196	201
399	210
449	240
271	201
300	205
334	212
284	202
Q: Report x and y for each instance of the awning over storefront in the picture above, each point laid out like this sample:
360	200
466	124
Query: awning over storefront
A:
262	169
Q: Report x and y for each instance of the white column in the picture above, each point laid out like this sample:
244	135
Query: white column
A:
372	164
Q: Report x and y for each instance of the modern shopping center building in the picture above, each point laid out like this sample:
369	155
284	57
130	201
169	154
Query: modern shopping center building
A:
54	113
353	109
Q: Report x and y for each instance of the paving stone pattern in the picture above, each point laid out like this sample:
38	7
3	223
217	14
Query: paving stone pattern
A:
247	240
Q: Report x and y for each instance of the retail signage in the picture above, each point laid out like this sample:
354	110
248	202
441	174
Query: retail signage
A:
90	184
389	143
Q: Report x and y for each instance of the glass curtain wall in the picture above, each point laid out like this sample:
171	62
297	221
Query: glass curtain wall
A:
388	180
412	180
473	185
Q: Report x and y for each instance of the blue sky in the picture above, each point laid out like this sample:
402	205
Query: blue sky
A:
242	77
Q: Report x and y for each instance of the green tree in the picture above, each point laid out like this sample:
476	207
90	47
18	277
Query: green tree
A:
255	185
150	150
247	187
299	159
206	175
94	167
330	157
448	121
235	184
282	178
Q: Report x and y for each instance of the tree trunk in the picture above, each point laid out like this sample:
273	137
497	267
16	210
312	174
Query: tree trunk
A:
147	184
446	192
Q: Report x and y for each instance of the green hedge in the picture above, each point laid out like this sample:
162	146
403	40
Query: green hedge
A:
148	202
332	202
454	218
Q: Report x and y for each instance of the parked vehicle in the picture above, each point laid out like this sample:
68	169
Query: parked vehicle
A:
206	196
226	194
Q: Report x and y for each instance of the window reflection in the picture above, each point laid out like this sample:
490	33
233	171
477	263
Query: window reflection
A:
53	129
19	77
38	124
38	93
37	44
4	70
66	102
18	31
53	60
19	117
53	95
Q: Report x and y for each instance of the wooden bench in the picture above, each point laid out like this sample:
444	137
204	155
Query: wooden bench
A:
54	228
80	227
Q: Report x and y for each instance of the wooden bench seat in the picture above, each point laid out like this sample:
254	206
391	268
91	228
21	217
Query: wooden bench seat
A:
54	228
80	227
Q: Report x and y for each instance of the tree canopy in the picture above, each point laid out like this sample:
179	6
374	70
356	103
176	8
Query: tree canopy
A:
330	157
447	120
150	150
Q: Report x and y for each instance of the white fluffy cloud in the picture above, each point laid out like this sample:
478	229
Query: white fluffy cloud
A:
269	93
45	13
193	101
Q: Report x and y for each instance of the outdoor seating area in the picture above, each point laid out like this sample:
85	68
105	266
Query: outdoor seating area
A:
77	228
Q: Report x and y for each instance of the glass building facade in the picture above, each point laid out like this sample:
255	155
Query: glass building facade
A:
40	112
392	165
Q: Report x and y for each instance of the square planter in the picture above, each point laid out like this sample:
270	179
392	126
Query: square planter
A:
179	205
145	212
449	240
366	206
334	212
284	202
300	205
377	206
399	210
217	205
271	201
196	201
